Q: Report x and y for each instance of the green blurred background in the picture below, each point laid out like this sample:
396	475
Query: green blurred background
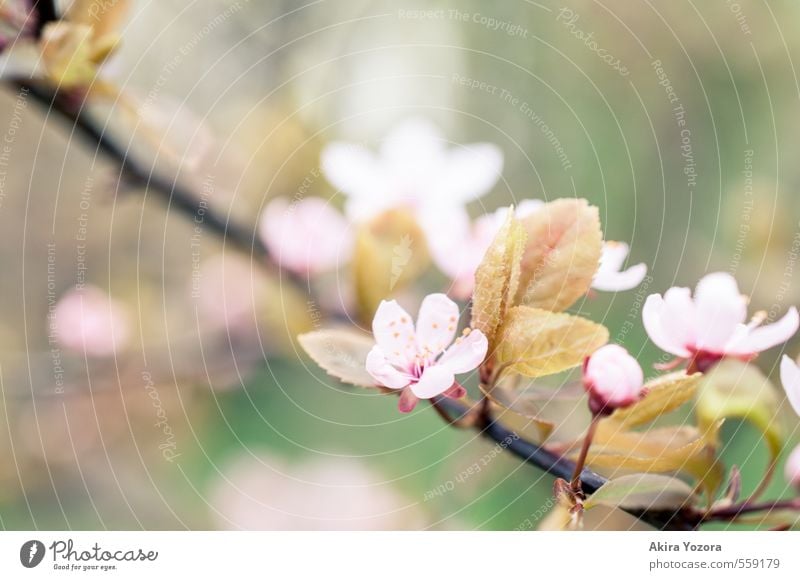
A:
264	440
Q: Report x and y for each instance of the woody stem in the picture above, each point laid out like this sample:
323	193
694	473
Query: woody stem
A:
575	483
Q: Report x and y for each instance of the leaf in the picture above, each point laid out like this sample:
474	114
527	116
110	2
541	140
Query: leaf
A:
536	342
737	389
342	353
67	53
497	278
664	394
390	251
642	491
561	255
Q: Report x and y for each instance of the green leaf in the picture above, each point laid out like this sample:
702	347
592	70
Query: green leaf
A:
497	277
561	255
342	353
737	389
535	342
642	491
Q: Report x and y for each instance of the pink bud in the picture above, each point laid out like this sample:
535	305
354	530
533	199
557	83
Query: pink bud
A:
613	379
792	469
86	320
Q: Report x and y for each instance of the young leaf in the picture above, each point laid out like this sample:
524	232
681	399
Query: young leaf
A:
561	255
342	353
642	491
535	342
389	252
737	389
664	394
497	277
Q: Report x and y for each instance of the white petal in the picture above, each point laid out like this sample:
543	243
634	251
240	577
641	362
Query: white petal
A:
750	341
719	309
614	375
527	207
412	142
668	334
435	380
466	354
613	256
352	169
790	378
792	469
618	281
470	172
436	323
307	236
394	333
383	372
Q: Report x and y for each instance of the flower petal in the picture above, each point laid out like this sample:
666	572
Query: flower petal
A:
408	400
719	309
662	320
470	171
436	323
352	169
466	354
383	372
790	378
394	333
751	341
618	281
435	380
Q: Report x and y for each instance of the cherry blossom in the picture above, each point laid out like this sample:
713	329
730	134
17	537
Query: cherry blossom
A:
711	325
792	469
613	379
610	276
790	378
420	360
412	169
87	321
458	246
307	236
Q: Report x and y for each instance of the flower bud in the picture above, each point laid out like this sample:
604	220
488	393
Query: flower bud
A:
613	379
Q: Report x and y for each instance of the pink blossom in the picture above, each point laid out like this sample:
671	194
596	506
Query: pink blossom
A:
613	379
86	320
412	169
307	237
711	325
420	360
790	378
792	469
610	277
457	247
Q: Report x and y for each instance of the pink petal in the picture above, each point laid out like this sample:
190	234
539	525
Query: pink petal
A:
383	372
466	354
792	469
394	333
436	323
719	309
469	172
408	400
435	380
655	315
455	392
763	337
307	236
790	378
527	207
613	375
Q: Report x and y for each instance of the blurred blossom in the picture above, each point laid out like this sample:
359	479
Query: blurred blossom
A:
711	325
790	378
458	246
418	360
610	277
307	237
261	493
229	293
613	379
792	469
412	169
87	320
